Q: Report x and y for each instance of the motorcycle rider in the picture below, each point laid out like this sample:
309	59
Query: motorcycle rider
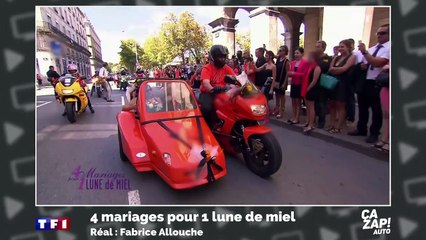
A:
213	81
103	74
139	72
123	79
72	70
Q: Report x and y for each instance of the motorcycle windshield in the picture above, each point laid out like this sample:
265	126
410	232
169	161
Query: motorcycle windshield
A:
249	90
168	97
67	80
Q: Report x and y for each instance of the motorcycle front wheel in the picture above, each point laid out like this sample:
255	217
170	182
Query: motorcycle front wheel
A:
99	91
70	110
265	157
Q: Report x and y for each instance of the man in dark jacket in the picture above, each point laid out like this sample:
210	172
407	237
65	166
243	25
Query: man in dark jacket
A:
52	77
324	62
260	76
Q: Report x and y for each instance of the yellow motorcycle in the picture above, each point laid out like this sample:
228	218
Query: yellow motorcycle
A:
72	95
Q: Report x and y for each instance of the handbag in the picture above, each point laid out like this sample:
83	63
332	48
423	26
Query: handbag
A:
382	80
328	82
267	87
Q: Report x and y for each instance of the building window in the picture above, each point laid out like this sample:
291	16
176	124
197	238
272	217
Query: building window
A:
49	19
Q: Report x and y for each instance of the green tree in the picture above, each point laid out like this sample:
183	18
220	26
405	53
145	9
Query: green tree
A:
243	40
155	52
128	54
183	34
113	67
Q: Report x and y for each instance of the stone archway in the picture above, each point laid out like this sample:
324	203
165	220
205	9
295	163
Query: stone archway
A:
263	27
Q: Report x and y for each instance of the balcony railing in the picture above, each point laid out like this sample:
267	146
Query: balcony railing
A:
48	28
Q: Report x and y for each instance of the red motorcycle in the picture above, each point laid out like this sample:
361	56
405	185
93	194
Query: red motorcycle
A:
240	127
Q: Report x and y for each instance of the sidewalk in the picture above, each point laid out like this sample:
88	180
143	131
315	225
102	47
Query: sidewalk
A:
356	143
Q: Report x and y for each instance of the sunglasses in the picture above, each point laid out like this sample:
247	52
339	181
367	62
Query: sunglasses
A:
382	33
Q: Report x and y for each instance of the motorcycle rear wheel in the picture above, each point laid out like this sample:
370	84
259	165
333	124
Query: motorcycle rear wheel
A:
265	157
70	110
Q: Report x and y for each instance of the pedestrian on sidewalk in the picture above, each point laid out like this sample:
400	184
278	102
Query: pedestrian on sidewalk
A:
335	51
249	68
342	68
283	67
103	74
270	71
350	99
369	97
297	72
383	77
323	94
260	61
312	91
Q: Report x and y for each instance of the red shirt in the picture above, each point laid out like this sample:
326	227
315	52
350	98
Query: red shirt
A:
298	75
305	81
215	75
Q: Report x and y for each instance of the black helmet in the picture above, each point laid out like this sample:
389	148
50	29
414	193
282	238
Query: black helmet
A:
217	51
123	71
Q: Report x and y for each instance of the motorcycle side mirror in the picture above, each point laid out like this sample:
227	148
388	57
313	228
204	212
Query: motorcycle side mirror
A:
231	80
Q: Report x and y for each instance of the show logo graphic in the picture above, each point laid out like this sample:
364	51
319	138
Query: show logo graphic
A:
372	221
94	179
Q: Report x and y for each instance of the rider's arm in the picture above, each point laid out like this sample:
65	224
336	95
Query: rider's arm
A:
130	106
191	81
206	85
205	78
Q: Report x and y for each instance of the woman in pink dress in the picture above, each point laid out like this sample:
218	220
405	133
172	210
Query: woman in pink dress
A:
296	75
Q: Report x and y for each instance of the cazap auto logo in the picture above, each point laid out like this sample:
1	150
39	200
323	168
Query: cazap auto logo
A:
94	179
372	221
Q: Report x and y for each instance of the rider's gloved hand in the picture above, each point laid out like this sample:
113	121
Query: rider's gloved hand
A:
218	89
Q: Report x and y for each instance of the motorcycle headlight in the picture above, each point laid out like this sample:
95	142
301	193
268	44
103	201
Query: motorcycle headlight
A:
67	91
258	109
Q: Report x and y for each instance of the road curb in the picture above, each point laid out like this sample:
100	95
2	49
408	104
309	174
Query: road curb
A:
366	150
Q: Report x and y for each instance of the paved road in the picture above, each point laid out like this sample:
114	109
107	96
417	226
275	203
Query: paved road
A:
313	171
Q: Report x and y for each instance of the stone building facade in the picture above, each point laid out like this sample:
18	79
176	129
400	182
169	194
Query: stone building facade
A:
61	39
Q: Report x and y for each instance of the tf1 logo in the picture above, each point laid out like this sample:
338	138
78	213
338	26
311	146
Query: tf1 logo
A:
53	224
